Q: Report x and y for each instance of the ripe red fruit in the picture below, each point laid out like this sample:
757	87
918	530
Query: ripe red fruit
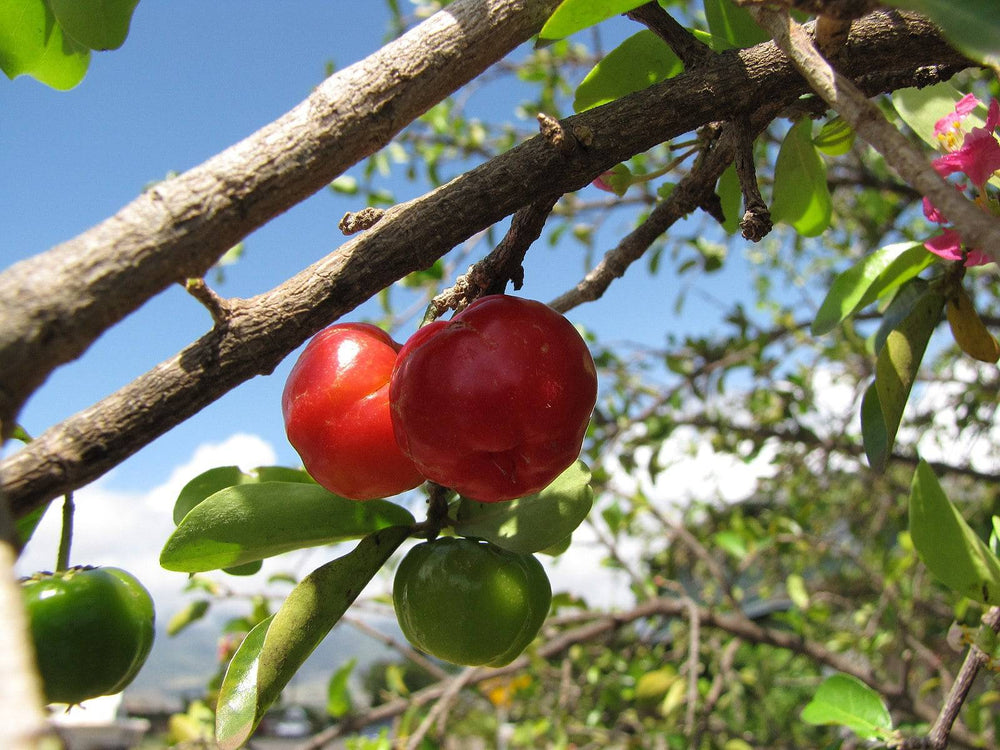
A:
495	402
336	410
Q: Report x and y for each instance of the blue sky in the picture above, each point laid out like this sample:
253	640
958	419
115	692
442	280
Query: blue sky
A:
192	79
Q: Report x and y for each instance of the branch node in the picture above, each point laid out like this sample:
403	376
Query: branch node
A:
218	307
691	50
357	221
556	134
756	221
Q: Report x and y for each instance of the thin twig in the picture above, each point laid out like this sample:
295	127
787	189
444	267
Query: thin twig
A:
441	708
975	660
691	50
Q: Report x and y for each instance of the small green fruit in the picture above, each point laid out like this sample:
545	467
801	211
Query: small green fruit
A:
470	602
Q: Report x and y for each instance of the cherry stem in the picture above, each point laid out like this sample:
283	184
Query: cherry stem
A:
66	537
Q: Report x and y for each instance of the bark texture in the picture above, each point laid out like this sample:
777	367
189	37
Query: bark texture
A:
54	305
259	332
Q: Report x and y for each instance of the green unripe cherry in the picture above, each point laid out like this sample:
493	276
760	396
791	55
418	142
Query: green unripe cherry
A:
470	602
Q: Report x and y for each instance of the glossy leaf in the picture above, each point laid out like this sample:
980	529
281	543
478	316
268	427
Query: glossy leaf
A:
209	482
948	546
533	523
733	24
253	521
801	196
236	712
97	24
32	43
575	15
640	61
898	362
874	276
972	26
256	678
834	138
191	612
846	701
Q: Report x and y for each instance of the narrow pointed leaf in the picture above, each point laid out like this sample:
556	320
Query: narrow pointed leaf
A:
873	431
801	195
575	15
640	61
898	362
255	679
874	276
948	546
533	523
731	196
236	711
846	701
250	522
190	613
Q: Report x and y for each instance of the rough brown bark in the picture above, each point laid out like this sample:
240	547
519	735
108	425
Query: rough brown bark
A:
54	305
263	330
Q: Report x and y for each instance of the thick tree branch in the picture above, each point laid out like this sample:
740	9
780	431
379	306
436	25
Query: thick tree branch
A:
54	305
261	331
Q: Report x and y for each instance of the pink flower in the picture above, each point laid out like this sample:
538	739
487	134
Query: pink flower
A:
976	154
979	154
948	129
948	245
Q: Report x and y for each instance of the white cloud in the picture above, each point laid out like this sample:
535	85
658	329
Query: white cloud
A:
127	529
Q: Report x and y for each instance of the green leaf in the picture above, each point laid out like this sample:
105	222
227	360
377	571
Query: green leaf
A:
733	24
209	482
338	693
191	612
637	63
922	108
874	432
533	523
846	701
949	548
575	15
274	650
235	714
253	521
731	196
97	24
902	304
972	26
27	524
801	196
834	138
247	569
899	360
874	276
32	43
